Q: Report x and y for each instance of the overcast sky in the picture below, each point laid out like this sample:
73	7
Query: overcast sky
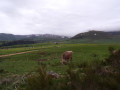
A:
63	17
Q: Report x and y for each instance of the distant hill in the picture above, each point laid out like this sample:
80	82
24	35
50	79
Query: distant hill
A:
42	37
114	32
97	35
10	37
45	37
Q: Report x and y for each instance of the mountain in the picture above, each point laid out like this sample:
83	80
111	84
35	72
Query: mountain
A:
11	37
114	32
97	35
44	37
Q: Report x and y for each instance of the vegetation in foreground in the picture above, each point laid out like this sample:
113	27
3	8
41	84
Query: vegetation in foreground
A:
85	56
96	76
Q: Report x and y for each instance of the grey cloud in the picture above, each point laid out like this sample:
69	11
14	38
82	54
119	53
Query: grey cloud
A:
67	17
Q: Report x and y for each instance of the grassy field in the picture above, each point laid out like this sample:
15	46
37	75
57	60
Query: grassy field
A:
22	48
50	55
97	41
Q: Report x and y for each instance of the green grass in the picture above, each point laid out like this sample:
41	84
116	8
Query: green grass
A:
28	62
22	48
51	54
94	41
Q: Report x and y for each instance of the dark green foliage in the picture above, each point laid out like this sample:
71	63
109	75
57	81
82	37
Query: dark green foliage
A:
111	49
39	82
96	76
114	60
44	81
19	42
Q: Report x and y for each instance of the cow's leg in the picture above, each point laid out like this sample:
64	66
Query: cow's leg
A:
70	59
63	61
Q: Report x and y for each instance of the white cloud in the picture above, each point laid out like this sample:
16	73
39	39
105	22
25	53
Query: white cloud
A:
66	17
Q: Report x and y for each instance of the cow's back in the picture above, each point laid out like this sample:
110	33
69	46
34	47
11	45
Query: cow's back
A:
67	54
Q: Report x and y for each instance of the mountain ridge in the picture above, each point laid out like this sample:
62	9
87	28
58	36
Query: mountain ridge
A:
93	34
12	37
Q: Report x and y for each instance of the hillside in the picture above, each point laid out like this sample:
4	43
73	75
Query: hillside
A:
97	35
11	37
42	37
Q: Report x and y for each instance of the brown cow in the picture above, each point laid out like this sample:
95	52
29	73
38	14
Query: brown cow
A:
66	56
116	52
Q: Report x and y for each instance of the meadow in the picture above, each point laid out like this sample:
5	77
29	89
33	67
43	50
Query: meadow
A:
50	55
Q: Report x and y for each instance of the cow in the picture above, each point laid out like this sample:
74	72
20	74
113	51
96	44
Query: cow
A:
116	52
66	56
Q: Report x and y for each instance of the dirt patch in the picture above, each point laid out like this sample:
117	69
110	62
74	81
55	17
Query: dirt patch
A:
17	53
